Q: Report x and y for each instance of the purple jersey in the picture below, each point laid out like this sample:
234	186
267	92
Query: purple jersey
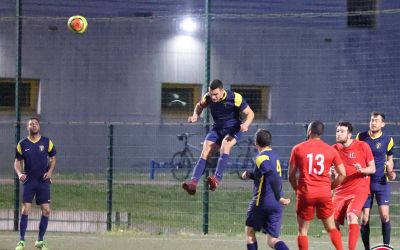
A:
226	112
381	147
267	179
35	156
264	211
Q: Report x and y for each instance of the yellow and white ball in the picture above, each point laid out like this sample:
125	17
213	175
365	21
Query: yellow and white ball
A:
77	24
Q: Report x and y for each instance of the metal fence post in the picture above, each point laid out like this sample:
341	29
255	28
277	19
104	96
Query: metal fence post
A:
17	107
206	201
207	115
110	176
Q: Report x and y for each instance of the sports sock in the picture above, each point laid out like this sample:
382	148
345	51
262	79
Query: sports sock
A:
280	245
302	242
44	220
354	232
336	239
365	235
198	170
23	224
222	162
386	228
252	246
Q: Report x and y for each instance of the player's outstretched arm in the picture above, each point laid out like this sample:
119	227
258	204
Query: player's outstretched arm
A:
248	112
196	113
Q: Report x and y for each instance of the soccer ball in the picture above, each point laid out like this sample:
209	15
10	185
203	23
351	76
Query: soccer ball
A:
77	24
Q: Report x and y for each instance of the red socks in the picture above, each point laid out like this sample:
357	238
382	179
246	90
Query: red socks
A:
336	239
302	242
354	232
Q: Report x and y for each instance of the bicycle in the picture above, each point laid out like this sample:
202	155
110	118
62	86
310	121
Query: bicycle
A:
183	160
245	162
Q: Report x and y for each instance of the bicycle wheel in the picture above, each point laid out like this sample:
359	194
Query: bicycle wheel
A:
181	164
244	163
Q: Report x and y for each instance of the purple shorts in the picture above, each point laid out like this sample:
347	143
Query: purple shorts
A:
217	135
39	189
381	192
267	220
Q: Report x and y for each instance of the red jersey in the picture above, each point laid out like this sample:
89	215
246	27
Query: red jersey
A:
358	152
313	159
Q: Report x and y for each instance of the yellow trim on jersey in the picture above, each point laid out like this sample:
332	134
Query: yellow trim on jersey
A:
19	148
358	137
33	140
51	145
279	168
203	100
224	96
238	99
374	137
259	190
260	159
390	145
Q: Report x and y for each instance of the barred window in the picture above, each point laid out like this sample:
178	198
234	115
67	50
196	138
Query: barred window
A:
178	99
28	95
258	98
361	13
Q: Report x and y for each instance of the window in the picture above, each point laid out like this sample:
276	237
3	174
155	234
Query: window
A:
178	99
258	98
28	93
361	13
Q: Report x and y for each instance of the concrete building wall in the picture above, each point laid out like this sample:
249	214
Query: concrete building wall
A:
316	68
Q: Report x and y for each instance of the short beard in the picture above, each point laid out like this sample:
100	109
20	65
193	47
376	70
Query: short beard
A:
341	141
33	133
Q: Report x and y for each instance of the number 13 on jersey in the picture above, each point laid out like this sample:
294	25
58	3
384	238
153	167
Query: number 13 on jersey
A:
318	160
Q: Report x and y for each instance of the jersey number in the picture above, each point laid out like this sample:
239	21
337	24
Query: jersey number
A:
278	167
319	160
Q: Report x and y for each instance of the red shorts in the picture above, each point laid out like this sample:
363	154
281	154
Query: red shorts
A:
305	207
348	203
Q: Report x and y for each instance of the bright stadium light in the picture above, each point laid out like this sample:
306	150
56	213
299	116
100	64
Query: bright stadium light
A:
188	25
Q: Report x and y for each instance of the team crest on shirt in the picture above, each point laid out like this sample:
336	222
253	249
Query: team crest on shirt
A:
352	155
41	148
382	247
378	145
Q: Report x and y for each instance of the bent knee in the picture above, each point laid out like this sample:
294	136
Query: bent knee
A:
250	239
46	212
364	221
385	218
271	241
208	150
26	211
352	218
250	235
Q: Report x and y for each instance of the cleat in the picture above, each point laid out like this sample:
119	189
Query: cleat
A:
41	245
20	245
189	187
212	180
